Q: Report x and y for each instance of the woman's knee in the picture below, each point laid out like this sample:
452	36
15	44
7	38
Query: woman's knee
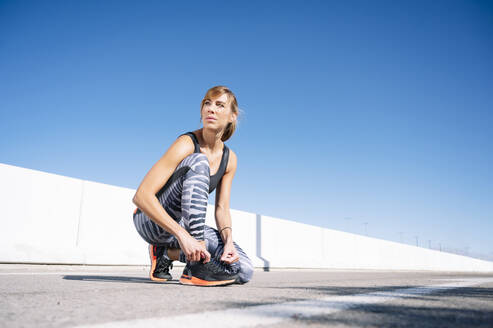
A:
198	163
246	271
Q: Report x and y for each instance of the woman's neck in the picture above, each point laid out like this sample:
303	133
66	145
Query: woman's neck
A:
212	139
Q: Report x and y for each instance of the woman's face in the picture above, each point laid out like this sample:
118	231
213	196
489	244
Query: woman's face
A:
217	112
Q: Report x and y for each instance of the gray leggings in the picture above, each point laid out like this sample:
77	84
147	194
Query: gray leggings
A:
184	197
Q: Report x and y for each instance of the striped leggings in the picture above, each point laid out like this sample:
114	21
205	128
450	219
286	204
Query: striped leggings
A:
184	197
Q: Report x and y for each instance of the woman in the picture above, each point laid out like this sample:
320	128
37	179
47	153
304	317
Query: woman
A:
172	201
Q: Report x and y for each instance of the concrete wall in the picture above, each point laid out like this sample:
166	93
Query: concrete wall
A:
48	218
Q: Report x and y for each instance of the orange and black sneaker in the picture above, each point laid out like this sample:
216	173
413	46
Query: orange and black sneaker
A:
212	273
160	265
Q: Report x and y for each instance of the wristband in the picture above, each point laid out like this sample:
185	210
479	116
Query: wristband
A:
225	228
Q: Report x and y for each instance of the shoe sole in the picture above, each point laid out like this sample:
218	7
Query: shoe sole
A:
153	265
190	280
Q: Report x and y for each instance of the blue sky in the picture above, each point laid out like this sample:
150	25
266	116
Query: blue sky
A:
354	111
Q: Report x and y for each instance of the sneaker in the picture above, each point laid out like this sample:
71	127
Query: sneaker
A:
160	265
212	273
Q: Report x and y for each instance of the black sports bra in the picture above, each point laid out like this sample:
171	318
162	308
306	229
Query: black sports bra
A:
214	179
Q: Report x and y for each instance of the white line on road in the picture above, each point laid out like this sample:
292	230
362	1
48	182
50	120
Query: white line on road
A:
275	313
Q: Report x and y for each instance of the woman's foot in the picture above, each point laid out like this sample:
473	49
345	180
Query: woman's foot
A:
212	273
160	265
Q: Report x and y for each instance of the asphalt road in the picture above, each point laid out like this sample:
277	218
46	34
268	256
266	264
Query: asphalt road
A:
118	296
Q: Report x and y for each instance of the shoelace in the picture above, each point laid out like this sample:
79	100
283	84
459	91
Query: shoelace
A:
218	267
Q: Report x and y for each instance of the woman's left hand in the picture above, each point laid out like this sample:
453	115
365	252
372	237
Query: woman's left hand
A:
230	255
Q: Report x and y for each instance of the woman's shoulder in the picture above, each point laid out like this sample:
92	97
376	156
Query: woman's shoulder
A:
232	153
232	161
188	135
184	145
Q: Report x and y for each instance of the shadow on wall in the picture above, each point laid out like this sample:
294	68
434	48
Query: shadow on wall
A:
259	243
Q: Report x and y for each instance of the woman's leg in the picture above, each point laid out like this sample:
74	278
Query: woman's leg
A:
195	194
184	198
192	203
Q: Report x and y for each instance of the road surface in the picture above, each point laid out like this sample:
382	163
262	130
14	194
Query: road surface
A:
123	296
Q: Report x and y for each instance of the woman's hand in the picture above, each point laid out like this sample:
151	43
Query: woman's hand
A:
193	249
230	255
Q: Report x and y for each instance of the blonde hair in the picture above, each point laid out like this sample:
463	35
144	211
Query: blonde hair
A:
216	92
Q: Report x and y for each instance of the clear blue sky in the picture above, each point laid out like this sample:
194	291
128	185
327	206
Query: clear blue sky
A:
354	111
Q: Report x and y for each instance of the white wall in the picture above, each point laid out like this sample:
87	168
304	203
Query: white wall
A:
48	218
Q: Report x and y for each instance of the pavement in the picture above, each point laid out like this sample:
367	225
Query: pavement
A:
123	296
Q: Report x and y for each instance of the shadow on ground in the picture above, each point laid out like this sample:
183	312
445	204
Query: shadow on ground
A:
338	290
133	280
388	315
120	279
454	308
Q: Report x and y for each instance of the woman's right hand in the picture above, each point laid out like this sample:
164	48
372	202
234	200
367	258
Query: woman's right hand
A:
193	249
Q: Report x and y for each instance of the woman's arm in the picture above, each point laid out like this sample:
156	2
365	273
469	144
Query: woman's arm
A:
145	197
222	212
